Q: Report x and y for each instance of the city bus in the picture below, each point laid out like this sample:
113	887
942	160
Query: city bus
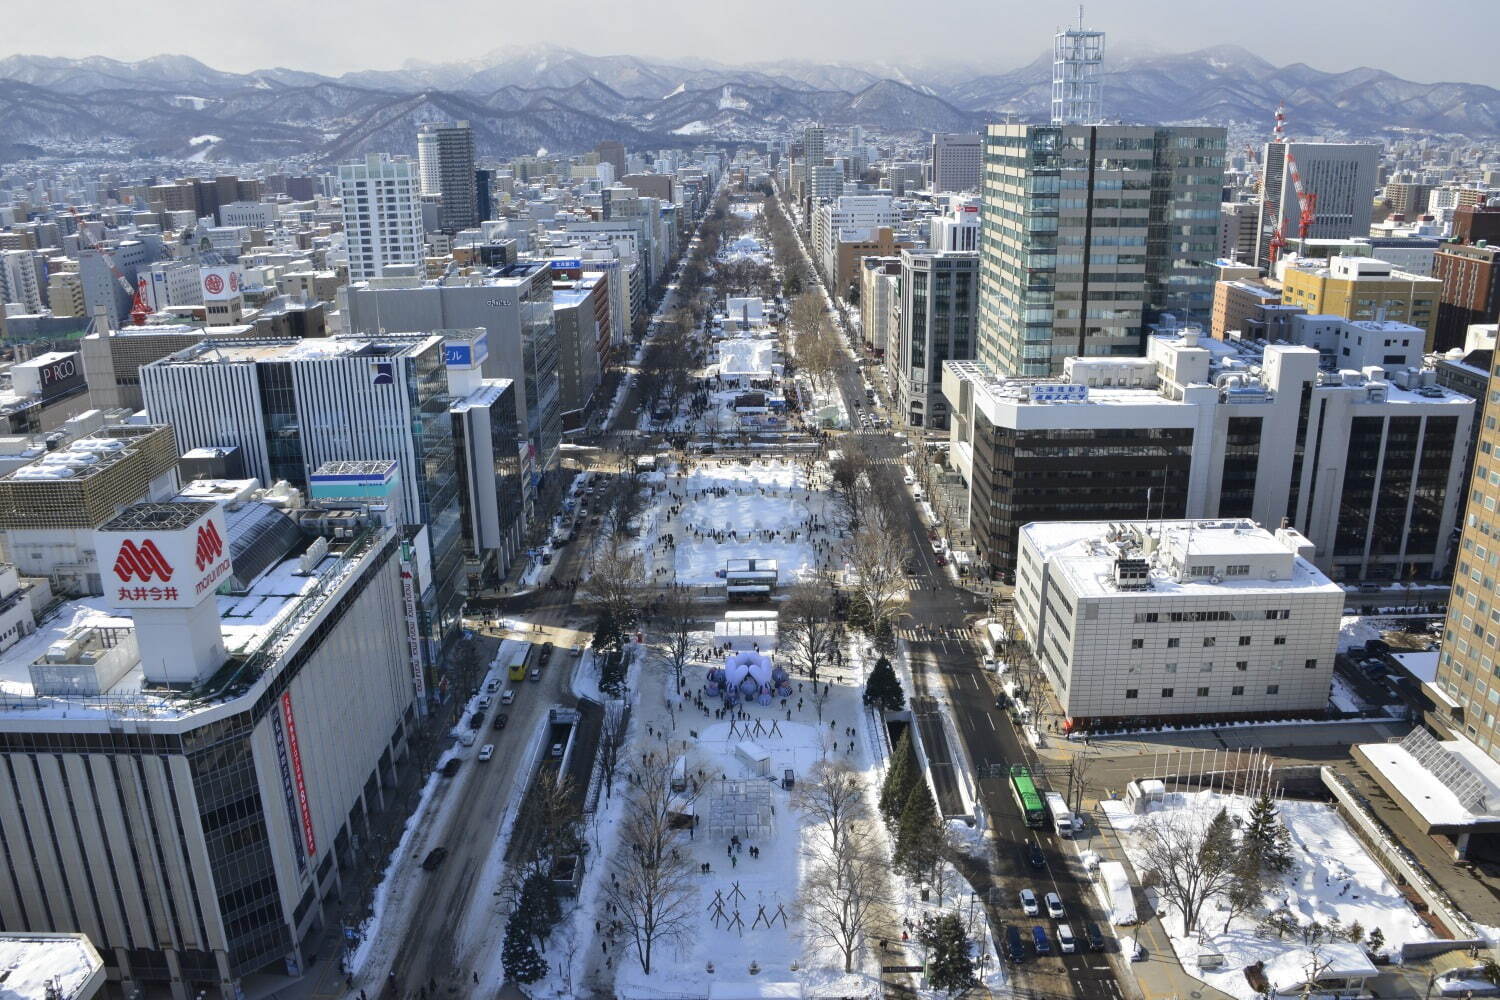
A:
1023	790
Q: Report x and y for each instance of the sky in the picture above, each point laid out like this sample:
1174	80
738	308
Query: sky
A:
1420	42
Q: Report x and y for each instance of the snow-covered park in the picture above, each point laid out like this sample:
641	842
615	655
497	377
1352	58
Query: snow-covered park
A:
716	509
1332	883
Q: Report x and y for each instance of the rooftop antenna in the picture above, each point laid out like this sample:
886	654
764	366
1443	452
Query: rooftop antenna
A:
1077	55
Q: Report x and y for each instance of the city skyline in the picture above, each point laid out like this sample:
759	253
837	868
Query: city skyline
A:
1324	38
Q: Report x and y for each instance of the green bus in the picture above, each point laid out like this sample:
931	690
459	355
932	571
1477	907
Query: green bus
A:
1023	789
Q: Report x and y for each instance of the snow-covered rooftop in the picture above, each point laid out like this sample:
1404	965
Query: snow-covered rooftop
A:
1467	793
1289	971
29	962
1087	553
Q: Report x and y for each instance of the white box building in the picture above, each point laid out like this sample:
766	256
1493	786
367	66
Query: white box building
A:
382	215
1151	621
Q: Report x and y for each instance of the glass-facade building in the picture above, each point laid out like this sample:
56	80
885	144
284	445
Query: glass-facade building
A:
1091	233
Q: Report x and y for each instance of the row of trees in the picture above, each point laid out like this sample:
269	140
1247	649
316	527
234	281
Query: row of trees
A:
553	819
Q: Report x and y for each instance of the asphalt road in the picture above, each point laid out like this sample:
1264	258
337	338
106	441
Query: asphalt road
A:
945	650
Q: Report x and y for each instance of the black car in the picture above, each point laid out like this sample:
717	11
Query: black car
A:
451	767
1035	857
546	651
1094	936
476	721
1014	952
434	858
500	720
1001	701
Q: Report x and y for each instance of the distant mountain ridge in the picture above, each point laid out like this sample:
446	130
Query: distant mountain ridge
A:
522	99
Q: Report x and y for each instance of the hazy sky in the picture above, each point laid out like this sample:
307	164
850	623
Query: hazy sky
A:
1423	42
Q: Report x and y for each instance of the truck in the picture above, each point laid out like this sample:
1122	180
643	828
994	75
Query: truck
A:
1115	893
1062	817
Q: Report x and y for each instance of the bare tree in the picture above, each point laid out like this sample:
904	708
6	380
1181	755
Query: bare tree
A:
877	552
843	890
1186	857
808	632
676	620
849	474
833	795
613	733
612	591
651	885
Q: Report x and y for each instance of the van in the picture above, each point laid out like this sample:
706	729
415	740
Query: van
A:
507	697
1040	942
1065	939
466	737
518	670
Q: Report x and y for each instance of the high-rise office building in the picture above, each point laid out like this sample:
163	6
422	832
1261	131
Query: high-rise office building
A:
814	144
939	300
611	151
446	156
1471	291
1089	233
954	160
382	215
1237	221
1341	174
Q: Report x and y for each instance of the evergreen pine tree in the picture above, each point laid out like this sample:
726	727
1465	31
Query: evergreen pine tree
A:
898	780
522	963
883	689
950	967
1266	838
538	910
917	836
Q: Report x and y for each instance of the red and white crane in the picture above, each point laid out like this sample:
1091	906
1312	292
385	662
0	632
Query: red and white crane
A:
1307	203
138	308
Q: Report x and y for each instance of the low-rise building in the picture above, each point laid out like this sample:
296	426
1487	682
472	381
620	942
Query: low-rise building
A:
1150	621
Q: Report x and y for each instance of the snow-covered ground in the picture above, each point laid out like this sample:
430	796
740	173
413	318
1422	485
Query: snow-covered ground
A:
725	508
1333	878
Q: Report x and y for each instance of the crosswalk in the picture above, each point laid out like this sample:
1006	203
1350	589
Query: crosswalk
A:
927	633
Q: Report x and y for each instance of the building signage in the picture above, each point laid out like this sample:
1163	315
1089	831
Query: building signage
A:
165	568
288	789
1058	393
219	283
303	808
567	264
467	353
61	377
413	626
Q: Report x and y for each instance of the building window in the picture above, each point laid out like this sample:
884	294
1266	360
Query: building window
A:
1237	689
1241	570
1273	689
1173	643
1209	640
1279	615
1208	667
1203	692
1166	692
1244	640
1311	664
1131	692
1171	668
1280	640
1137	643
1242	665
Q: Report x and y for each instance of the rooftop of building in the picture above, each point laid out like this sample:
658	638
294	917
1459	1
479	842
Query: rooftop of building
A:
87	456
1451	784
257	626
1183	558
49	966
255	350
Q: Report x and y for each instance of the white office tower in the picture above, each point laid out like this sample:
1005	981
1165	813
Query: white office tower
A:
1077	56
382	215
953	164
429	160
1340	174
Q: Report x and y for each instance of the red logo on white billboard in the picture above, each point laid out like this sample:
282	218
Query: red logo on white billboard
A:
210	545
213	284
234	282
144	561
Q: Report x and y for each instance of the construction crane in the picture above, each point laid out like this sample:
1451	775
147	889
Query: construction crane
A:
138	308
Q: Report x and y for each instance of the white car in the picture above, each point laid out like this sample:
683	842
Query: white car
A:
487	751
1029	904
1054	905
908	479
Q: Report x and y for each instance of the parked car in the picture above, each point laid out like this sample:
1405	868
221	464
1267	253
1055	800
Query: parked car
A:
487	751
557	749
1029	904
1065	939
1054	905
434	858
451	766
1040	942
484	703
1013	950
476	721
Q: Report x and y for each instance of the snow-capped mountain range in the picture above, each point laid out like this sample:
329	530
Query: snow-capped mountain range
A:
525	98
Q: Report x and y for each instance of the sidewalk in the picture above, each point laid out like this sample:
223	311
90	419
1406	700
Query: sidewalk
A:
1160	976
